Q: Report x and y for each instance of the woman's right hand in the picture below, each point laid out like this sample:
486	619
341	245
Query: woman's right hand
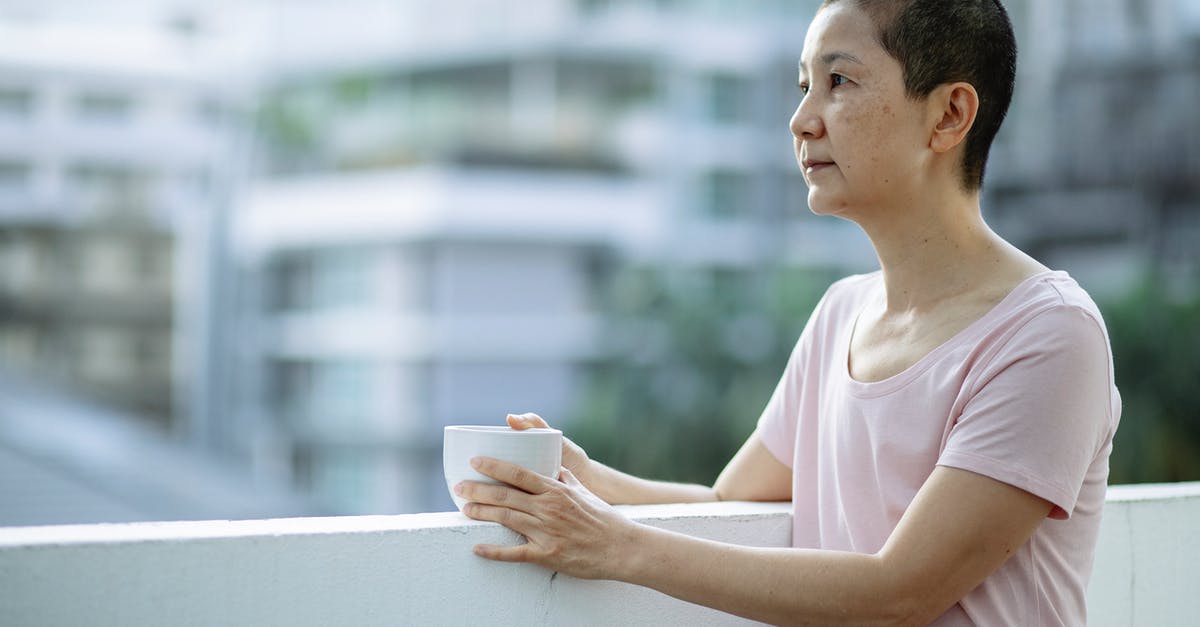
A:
573	457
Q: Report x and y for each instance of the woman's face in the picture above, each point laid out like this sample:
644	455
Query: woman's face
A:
859	139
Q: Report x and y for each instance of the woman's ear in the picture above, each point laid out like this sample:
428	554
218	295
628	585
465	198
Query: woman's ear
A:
955	107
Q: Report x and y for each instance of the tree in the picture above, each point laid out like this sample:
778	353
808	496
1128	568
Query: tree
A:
1156	350
693	358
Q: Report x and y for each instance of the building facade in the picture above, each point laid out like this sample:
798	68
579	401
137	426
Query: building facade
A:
110	143
1095	170
491	174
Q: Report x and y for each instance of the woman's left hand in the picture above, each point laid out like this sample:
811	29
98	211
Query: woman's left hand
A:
566	527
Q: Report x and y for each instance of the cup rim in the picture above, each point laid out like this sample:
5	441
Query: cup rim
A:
498	429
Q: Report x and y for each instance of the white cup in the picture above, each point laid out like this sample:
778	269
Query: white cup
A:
539	450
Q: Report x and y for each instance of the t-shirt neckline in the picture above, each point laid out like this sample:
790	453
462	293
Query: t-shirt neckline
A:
902	378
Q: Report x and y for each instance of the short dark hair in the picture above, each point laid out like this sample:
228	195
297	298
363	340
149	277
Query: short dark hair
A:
946	41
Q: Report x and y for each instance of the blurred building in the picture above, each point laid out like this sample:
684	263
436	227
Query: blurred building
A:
387	304
111	141
1097	169
67	460
118	148
442	191
441	212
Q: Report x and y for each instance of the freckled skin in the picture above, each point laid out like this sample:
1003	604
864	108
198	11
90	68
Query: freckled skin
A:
867	126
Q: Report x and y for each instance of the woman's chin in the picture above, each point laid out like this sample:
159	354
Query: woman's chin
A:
820	204
824	205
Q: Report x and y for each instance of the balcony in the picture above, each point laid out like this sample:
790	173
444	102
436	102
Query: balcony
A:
419	570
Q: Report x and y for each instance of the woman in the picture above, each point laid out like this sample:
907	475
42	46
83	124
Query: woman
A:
943	425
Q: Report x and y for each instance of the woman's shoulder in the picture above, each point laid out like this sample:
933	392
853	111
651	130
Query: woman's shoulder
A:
854	288
1052	291
845	297
1046	312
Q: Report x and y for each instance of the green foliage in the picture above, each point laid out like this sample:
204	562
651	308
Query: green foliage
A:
1156	352
694	357
355	89
284	123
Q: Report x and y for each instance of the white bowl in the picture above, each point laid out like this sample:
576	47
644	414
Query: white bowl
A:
539	450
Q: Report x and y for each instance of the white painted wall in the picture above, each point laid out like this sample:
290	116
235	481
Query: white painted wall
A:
375	570
419	570
1148	558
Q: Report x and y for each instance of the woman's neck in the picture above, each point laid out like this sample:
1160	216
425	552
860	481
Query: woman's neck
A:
934	253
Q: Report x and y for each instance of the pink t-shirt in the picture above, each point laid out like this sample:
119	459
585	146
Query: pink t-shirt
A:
1024	395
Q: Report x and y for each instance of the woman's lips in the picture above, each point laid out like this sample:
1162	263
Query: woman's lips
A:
812	167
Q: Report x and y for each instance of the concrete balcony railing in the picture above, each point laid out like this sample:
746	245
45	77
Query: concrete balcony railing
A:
419	570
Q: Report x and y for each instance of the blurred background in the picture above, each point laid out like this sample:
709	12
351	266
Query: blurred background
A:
255	254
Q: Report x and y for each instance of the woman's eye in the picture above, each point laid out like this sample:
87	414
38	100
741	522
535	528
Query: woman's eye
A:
836	79
803	88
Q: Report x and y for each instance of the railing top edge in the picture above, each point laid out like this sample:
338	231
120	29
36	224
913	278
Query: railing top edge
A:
427	522
1153	491
120	533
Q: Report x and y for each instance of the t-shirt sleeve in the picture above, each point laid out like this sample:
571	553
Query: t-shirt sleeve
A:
777	424
1041	409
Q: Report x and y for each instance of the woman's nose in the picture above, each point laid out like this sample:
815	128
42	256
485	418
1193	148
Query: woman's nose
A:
805	123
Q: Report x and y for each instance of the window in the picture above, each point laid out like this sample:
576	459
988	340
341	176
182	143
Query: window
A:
150	261
115	188
290	387
104	108
152	354
726	194
321	279
341	395
106	354
290	283
595	6
341	278
732	288
728	96
210	113
14	175
343	479
15	103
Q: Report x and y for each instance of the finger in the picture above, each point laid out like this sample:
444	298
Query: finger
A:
519	522
511	474
519	553
491	494
521	422
568	478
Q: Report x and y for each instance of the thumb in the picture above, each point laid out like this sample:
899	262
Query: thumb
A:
521	422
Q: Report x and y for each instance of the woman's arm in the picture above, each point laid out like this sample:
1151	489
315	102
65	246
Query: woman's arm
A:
753	475
959	529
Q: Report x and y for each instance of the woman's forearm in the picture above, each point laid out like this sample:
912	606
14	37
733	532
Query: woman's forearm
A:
618	488
777	586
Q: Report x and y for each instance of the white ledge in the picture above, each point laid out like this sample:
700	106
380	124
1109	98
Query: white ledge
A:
1153	492
665	516
365	570
419	570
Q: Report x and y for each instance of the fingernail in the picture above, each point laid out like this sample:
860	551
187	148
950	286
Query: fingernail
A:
458	488
476	462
